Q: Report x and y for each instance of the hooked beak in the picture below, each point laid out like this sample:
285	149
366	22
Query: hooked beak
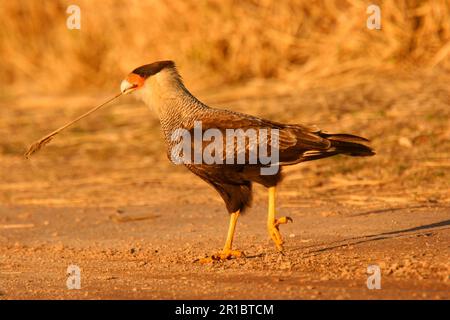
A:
126	87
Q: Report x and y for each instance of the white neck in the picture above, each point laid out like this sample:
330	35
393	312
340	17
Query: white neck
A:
166	94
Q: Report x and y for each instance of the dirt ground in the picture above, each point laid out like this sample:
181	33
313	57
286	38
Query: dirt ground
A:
103	196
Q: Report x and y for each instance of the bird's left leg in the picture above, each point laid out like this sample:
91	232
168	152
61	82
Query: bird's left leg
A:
227	252
273	223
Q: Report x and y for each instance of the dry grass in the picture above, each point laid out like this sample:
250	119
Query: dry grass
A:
224	41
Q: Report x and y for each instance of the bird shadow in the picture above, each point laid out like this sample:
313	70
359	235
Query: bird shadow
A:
415	231
364	213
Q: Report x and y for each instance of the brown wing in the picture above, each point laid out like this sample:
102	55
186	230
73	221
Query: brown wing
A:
290	140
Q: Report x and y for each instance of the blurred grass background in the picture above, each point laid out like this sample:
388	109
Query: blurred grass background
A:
216	41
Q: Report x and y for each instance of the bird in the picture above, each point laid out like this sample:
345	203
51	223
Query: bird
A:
160	86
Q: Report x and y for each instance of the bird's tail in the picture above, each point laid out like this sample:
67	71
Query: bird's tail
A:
349	144
341	143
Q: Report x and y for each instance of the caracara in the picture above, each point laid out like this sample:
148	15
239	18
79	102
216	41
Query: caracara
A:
160	86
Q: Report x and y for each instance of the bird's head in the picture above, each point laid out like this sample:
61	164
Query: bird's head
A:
138	77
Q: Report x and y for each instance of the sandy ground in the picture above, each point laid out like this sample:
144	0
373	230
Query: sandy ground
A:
104	197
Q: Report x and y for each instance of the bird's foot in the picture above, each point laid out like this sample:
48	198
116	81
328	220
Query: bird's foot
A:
221	256
274	232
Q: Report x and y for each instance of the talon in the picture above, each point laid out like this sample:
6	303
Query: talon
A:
282	220
280	247
221	256
274	232
275	235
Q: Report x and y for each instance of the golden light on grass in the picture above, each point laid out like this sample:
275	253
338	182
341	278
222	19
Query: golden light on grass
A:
228	40
38	145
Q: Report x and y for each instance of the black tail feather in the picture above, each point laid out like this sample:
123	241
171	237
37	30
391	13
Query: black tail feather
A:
341	143
350	145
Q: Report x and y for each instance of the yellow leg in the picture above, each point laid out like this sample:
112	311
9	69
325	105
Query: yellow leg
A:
273	224
227	252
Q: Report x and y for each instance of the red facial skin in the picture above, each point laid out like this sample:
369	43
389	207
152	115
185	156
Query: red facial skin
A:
136	80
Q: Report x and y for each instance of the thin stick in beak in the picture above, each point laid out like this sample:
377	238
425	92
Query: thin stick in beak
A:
35	147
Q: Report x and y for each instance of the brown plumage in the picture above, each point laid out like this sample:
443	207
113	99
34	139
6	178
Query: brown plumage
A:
160	86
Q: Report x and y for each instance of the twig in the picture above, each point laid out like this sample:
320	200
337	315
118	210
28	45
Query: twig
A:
35	147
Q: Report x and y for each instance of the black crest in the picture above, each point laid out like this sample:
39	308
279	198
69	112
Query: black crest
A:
148	70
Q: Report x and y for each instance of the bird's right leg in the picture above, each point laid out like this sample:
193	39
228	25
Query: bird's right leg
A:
273	223
227	252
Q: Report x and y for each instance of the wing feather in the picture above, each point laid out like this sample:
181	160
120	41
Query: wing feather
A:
290	140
